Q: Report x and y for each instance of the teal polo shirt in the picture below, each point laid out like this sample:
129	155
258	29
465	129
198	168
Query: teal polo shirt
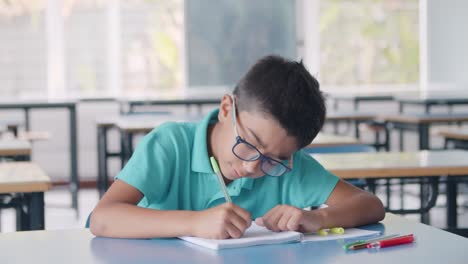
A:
171	168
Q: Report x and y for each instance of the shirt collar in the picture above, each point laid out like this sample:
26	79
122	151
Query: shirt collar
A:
200	159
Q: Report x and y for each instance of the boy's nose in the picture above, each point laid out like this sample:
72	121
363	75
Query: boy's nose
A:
251	167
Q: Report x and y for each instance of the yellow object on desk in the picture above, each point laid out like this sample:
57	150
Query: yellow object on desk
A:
333	230
337	230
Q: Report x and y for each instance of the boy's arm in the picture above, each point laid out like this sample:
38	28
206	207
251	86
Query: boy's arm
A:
117	215
349	206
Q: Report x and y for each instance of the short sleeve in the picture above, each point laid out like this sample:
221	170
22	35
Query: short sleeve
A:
150	169
309	183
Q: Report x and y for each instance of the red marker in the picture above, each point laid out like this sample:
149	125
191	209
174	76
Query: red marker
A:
392	242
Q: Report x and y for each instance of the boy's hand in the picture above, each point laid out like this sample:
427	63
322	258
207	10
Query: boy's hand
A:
221	222
290	218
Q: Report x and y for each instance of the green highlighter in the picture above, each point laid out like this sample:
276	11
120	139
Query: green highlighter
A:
363	243
215	167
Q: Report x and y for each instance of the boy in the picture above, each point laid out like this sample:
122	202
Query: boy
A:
168	188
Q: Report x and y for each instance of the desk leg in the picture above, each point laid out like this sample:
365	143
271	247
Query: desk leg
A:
30	212
387	137
356	105
427	108
130	145
125	149
371	185
22	219
74	179
122	148
27	124
200	109
102	160
401	142
335	127
356	129
36	211
423	192
423	130
452	203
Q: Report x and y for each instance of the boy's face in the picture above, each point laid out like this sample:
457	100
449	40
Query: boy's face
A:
257	128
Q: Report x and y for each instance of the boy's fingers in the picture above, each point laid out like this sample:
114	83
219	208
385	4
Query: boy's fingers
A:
239	223
270	213
259	221
294	223
233	231
283	222
243	213
271	221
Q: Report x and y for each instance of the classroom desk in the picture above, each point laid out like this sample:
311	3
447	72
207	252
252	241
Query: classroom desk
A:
129	105
357	98
69	105
428	164
429	101
348	117
131	125
421	123
329	140
128	126
25	183
7	125
142	124
459	138
15	148
432	245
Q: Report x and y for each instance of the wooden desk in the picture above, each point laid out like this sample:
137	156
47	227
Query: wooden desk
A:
327	140
432	245
396	164
70	105
18	149
459	138
131	125
432	99
357	98
348	117
421	123
128	105
128	126
451	163
26	182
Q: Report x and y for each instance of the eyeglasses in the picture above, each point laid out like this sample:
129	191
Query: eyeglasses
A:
245	151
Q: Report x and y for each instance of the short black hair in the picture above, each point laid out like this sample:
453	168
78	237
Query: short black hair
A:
285	90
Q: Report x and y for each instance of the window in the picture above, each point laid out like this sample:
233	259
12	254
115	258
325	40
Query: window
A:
369	42
137	46
152	45
224	38
23	58
84	32
146	45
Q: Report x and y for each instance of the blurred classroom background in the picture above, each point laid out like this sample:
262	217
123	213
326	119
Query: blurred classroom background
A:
82	80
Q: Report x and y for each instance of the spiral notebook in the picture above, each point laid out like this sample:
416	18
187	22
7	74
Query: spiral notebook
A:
257	235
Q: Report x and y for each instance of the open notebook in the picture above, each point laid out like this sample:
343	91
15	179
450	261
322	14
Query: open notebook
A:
257	235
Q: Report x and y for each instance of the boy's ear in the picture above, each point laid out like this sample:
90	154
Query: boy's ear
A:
225	108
